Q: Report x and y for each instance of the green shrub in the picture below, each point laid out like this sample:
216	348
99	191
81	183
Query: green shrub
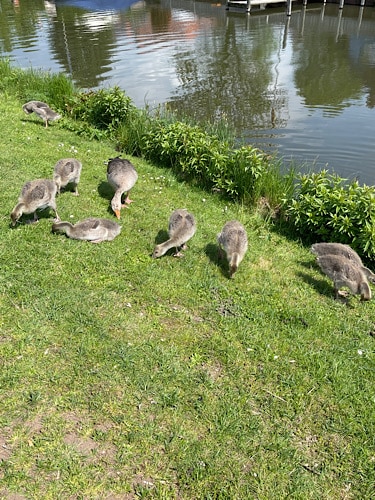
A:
213	163
328	208
103	109
182	146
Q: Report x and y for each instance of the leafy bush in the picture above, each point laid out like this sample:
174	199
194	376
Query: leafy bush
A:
103	109
213	163
329	208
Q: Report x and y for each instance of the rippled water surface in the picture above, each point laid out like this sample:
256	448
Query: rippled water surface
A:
303	85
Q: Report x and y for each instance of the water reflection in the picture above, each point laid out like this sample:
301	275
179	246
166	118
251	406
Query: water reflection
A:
304	85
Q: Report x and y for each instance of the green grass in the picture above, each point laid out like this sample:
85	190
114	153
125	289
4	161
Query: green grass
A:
127	377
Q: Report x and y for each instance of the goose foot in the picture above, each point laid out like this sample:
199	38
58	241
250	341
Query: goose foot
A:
127	202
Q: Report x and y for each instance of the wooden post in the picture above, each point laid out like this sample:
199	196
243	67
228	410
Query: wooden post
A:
289	8
360	15
285	37
248	6
341	6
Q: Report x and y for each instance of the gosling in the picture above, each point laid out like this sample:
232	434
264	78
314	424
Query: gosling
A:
35	195
93	229
42	110
233	241
182	227
67	171
122	176
344	273
345	251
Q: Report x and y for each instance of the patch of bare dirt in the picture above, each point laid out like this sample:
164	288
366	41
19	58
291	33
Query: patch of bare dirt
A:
8	495
83	445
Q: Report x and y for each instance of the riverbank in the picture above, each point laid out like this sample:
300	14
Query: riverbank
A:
123	376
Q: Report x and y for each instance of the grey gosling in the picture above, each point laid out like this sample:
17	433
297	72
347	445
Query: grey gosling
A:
345	251
67	171
93	229
35	195
182	227
42	110
122	176
233	241
343	272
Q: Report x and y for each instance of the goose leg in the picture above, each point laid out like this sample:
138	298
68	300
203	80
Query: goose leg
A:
57	218
178	253
33	220
127	201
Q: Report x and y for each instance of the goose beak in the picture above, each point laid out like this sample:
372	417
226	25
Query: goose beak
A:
117	213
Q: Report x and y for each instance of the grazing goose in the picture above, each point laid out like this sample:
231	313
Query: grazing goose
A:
181	228
346	251
122	176
37	194
233	240
67	171
42	110
93	229
343	272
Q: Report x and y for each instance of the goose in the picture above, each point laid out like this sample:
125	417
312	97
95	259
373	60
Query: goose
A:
182	227
42	110
37	194
343	272
92	229
345	251
233	241
122	176
67	171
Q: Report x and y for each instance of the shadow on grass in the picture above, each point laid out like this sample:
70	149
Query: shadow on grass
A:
212	252
105	190
320	285
161	237
28	219
323	289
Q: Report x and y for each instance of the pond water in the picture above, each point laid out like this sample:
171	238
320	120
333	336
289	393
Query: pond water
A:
302	86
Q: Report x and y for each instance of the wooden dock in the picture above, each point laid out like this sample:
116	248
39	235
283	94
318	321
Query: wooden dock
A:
247	4
244	3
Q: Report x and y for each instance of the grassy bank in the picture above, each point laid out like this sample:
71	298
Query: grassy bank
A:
127	377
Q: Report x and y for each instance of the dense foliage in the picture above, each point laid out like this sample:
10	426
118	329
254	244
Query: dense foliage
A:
329	208
195	154
104	109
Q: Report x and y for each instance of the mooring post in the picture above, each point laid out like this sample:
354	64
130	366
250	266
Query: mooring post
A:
341	6
288	7
363	3
248	6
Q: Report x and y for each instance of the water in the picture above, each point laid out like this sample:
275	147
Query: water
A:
302	86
